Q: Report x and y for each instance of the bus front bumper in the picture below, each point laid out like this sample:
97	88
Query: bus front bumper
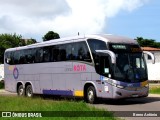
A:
130	92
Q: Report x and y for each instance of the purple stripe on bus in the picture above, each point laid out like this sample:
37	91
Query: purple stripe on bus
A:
130	84
58	92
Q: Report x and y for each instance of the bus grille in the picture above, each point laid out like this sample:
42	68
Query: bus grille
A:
133	88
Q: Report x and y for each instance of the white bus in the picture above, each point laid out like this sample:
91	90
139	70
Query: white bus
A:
93	66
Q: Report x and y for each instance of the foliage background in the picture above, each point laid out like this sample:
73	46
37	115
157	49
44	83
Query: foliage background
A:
11	41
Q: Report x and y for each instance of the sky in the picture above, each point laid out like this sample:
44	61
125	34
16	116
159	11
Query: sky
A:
34	18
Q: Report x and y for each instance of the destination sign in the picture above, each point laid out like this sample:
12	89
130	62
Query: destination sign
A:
125	48
119	46
136	49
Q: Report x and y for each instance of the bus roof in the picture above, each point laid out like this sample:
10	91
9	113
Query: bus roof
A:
105	37
113	39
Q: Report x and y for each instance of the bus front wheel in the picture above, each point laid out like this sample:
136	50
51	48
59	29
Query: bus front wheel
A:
20	90
29	91
91	95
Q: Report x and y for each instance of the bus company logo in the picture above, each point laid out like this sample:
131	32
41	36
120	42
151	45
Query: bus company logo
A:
15	73
79	68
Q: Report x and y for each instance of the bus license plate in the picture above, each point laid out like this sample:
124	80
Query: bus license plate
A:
134	95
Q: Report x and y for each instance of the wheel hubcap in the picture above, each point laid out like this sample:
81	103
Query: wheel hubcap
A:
29	93
90	95
21	91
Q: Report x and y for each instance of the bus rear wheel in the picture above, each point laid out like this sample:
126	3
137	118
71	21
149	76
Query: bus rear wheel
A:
20	90
91	95
29	91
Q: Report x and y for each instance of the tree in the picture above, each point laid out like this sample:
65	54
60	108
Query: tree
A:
10	41
31	41
50	35
147	42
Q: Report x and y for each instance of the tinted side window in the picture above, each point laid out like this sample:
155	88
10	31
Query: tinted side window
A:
62	53
47	54
58	53
81	52
96	45
23	57
30	55
39	55
9	58
69	52
16	55
55	53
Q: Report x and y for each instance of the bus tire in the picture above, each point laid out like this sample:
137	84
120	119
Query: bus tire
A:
20	90
29	91
91	95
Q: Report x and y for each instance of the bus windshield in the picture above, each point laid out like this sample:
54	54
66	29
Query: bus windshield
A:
130	65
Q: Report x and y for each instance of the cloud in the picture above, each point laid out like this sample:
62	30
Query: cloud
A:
113	7
34	8
89	16
67	17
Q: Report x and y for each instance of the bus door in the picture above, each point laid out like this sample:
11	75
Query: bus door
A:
103	67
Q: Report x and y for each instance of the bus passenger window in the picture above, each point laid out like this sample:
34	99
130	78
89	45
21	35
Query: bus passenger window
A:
9	58
39	55
69	54
62	55
22	59
54	53
32	55
26	56
46	54
16	57
81	52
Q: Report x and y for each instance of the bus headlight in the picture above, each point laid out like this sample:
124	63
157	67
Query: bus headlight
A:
118	86
113	84
147	85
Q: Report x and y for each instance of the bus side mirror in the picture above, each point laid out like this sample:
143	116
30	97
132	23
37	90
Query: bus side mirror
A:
110	53
151	55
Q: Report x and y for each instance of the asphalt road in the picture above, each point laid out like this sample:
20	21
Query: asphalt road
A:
129	108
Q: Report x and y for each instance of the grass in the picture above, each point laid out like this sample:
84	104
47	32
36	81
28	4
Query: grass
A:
57	107
155	90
